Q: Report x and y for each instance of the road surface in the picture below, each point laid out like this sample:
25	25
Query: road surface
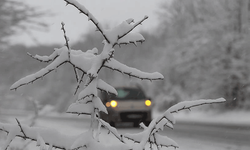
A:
189	136
192	136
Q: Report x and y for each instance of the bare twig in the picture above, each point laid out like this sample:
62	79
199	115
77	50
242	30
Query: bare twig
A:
83	10
78	83
19	124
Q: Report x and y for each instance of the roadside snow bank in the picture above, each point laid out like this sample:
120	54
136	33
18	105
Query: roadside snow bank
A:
225	118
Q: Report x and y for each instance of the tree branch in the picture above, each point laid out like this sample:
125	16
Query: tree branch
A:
83	10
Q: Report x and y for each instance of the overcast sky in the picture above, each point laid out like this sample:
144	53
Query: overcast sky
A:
109	12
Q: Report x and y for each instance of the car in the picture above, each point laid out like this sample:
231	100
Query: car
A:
130	105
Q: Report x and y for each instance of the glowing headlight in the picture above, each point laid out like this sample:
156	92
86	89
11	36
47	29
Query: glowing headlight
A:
113	103
148	103
108	104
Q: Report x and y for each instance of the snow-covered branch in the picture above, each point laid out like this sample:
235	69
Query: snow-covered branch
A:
116	35
127	30
52	57
189	104
166	119
49	136
112	130
132	72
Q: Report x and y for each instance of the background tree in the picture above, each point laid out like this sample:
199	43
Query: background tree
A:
17	17
208	44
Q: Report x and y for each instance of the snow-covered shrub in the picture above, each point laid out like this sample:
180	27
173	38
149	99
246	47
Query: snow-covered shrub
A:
88	63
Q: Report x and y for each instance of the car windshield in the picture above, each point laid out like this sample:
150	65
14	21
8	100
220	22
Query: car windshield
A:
129	93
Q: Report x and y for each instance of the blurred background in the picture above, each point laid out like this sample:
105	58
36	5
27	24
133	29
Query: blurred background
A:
200	46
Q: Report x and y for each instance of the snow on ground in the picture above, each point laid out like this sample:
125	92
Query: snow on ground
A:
225	118
236	118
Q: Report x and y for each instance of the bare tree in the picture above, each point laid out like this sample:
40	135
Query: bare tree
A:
17	17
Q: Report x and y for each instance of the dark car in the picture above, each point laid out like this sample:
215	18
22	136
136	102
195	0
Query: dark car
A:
130	105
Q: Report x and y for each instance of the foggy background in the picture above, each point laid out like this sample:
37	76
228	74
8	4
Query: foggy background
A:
200	46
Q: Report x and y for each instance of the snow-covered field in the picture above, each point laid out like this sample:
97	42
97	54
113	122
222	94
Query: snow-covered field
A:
73	127
225	118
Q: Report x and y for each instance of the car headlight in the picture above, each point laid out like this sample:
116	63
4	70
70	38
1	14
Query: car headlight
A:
113	103
148	103
108	104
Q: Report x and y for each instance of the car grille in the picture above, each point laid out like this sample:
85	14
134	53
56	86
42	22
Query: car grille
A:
133	116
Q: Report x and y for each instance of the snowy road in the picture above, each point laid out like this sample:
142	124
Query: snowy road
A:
189	136
217	136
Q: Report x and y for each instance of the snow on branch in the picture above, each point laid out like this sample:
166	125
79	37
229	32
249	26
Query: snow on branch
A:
155	139
166	119
45	58
88	91
132	72
103	86
61	59
81	108
40	74
115	35
79	59
189	104
131	38
49	136
120	31
126	27
112	130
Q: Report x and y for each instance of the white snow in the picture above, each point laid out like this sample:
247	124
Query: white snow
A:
106	87
240	118
89	103
81	108
99	105
90	90
116	65
131	38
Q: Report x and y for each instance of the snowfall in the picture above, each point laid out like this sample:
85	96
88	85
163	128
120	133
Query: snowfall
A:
73	132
